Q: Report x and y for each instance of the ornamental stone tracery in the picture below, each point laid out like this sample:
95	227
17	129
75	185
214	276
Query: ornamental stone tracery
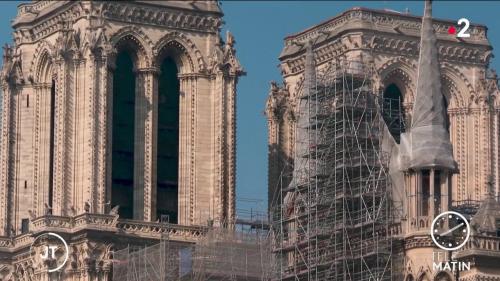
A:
74	45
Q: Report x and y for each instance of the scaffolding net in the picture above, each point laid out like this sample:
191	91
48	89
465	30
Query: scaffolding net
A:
231	255
222	254
332	221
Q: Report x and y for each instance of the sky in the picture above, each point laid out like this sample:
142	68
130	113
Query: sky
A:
259	28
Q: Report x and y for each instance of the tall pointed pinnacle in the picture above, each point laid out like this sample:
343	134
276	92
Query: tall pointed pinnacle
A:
429	141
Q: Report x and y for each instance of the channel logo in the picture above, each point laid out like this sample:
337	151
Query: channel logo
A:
51	250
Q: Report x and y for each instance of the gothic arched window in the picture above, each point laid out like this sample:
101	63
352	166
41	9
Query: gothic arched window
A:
122	172
393	111
167	178
46	92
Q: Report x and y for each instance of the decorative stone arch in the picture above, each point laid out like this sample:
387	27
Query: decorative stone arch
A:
43	54
401	72
184	52
134	40
456	87
443	276
43	72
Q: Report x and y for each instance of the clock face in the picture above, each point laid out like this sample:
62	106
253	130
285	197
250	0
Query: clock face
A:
450	230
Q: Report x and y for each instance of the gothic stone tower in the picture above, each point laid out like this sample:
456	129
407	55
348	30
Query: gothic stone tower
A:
390	43
113	112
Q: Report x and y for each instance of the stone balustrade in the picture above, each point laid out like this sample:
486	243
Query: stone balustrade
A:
483	245
102	222
12	243
156	230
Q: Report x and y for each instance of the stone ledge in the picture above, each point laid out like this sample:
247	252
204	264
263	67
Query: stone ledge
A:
103	223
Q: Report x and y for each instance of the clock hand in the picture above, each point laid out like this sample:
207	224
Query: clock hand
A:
453	229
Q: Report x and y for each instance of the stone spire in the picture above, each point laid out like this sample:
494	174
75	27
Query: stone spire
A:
428	144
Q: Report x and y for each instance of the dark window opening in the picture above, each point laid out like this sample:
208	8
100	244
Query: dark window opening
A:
425	192
51	148
28	101
392	111
168	141
25	226
122	171
498	227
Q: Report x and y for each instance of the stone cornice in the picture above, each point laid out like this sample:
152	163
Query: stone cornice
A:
34	23
381	32
162	16
400	45
382	21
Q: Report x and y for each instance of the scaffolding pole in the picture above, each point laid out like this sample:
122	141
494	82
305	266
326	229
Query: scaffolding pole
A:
332	222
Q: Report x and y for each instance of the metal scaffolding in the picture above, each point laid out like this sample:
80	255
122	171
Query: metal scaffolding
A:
332	222
222	254
166	260
229	255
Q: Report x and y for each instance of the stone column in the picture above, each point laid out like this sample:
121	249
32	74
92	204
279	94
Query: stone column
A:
101	94
107	114
220	141
60	139
431	193
42	144
187	132
144	149
139	145
445	191
5	156
231	149
496	152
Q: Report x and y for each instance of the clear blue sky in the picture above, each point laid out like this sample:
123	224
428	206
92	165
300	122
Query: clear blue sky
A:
259	28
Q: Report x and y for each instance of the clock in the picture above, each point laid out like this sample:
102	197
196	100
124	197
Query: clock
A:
450	231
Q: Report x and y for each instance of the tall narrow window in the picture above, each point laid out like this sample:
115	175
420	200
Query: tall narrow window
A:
122	172
51	149
393	111
168	142
25	226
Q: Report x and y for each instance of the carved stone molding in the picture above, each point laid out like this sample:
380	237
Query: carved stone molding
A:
177	19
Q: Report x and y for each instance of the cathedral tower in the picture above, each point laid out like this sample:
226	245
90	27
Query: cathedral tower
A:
119	109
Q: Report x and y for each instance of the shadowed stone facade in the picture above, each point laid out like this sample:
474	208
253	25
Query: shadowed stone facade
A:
57	129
